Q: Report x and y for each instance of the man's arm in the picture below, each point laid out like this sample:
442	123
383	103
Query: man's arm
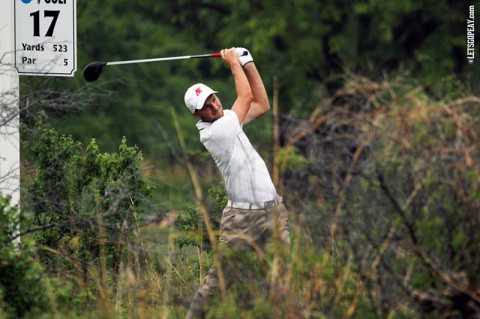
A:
260	103
242	104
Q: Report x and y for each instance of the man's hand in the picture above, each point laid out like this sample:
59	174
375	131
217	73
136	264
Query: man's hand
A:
230	56
244	59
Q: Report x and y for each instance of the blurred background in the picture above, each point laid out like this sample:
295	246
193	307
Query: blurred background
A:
373	140
311	47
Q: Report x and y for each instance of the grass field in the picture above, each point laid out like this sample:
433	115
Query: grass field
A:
157	279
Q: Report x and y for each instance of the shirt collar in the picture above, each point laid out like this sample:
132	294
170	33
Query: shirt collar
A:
201	125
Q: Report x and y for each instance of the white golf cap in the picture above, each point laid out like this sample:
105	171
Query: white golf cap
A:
196	95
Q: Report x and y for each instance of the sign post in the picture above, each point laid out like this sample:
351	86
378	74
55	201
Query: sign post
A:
9	117
45	37
37	37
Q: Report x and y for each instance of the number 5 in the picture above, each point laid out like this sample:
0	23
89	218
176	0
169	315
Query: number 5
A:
65	62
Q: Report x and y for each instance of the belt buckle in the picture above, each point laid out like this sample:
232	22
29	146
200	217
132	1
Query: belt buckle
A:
269	204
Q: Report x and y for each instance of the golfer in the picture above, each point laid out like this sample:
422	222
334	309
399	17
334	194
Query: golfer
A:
254	214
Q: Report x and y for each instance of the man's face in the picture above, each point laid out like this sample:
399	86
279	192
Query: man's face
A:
211	111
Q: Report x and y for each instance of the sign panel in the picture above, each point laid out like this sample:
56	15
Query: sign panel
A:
45	37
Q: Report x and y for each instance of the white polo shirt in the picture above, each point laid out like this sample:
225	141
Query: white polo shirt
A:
246	176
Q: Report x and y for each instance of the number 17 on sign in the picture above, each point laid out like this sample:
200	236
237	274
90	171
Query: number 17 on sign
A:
45	37
36	22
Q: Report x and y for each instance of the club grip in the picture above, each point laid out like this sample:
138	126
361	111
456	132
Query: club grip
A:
218	55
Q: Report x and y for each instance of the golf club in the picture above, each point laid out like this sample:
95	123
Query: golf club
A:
93	70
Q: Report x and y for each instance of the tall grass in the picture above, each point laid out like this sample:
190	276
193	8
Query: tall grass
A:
158	282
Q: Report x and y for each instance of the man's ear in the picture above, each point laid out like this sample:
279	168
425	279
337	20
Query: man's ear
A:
196	115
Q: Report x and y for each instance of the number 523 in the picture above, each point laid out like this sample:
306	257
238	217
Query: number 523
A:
60	48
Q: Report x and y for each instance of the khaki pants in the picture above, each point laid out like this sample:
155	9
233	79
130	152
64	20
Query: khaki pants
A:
241	231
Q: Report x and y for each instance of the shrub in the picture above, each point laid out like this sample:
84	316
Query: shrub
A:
22	290
85	202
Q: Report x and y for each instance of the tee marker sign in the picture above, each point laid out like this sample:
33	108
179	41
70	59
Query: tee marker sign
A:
45	37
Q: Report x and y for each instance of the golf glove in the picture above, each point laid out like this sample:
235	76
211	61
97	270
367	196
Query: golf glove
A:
244	59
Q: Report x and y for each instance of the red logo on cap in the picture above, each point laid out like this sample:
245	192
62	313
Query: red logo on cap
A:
198	91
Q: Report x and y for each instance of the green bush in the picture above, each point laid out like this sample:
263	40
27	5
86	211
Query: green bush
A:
22	291
192	220
87	202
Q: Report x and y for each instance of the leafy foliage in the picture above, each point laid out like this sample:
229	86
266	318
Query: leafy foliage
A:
84	201
192	220
22	291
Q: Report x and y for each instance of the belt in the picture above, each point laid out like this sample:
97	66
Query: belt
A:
265	205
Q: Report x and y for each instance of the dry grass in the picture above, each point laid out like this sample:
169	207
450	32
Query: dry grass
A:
159	284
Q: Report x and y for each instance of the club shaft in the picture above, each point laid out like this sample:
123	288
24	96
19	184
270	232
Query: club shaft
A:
185	57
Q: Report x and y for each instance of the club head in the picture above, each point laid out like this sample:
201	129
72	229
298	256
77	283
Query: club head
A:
93	70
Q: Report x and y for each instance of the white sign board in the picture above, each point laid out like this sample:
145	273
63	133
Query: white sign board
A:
45	37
